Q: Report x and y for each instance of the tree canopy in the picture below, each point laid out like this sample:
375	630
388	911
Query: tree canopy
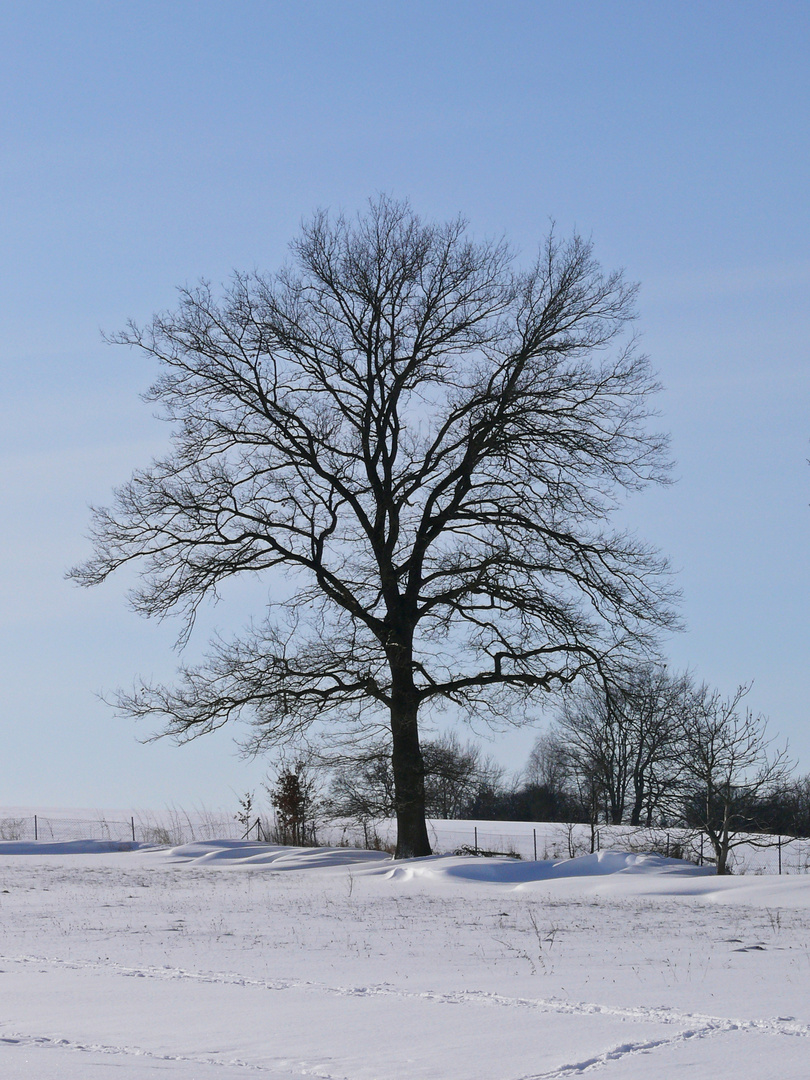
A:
428	442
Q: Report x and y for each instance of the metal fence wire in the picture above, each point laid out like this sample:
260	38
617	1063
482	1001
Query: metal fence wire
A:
172	830
555	841
525	840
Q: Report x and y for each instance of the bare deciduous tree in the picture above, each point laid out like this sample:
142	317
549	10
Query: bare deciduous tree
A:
620	740
596	752
428	443
547	765
455	773
363	788
651	702
730	770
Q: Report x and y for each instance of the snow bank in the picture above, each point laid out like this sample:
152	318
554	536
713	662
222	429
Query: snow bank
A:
274	856
66	847
279	857
609	873
235	853
515	871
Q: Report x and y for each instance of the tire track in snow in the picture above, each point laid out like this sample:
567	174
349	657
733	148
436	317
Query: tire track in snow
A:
700	1023
617	1053
713	1027
45	1042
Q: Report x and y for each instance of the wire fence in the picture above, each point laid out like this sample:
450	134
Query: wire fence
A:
754	854
171	829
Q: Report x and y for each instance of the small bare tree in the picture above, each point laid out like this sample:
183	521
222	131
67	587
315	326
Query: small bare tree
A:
729	770
293	795
422	446
244	814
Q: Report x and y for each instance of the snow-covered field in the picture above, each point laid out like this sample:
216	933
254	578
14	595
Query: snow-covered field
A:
226	960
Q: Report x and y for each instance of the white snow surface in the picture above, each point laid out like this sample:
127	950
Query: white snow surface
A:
229	959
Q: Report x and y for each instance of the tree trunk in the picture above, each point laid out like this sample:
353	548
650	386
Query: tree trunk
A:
721	851
723	845
409	769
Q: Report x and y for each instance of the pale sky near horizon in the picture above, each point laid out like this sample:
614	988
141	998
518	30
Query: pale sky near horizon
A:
144	145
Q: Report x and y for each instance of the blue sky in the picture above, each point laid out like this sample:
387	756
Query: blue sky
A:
146	145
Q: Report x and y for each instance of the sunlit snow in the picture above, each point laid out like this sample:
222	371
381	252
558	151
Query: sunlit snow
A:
207	961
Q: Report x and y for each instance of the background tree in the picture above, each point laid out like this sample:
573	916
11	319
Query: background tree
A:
594	738
730	771
362	788
456	773
549	788
618	740
786	810
428	443
547	765
651	703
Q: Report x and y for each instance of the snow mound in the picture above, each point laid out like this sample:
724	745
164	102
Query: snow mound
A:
276	856
67	847
246	853
517	872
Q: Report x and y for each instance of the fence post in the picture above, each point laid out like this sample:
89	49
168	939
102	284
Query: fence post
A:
701	849
779	847
667	845
132	823
534	833
598	840
36	830
475	830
